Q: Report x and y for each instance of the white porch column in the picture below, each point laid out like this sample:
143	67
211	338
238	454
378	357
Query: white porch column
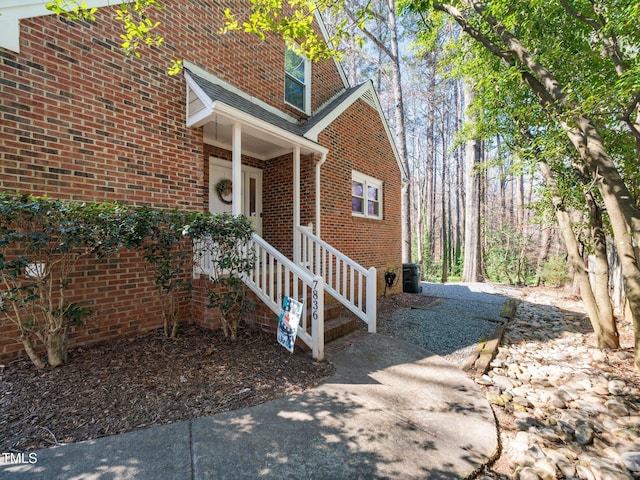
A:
296	204
318	194
236	169
318	253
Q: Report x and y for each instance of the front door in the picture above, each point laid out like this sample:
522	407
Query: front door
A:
220	191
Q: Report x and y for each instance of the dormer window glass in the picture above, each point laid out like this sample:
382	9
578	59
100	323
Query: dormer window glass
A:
296	81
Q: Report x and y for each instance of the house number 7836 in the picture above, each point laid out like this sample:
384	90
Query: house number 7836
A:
314	300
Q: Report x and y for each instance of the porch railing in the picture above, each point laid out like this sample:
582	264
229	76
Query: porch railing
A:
273	278
352	284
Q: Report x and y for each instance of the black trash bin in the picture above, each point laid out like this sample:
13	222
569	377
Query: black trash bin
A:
410	278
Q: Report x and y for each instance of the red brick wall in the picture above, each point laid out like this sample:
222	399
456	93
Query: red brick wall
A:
122	298
241	59
278	200
81	121
358	141
277	204
308	191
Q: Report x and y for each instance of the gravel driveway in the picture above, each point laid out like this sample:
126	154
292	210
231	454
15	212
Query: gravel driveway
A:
465	315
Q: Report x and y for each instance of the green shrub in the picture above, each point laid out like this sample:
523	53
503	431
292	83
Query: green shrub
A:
506	256
159	235
554	272
225	240
42	241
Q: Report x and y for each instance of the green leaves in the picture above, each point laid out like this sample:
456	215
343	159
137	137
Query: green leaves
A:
175	68
73	313
292	20
72	10
589	49
139	28
41	241
224	240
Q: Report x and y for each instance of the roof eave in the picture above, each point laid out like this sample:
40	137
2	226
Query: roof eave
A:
366	87
205	113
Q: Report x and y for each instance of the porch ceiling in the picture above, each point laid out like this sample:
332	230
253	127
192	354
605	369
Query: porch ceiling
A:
255	142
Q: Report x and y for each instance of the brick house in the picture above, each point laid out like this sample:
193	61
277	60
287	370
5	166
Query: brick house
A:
249	127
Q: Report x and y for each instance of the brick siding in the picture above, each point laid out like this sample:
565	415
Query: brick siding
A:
81	121
357	142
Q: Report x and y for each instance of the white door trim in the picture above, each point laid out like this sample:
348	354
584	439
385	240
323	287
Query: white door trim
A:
247	173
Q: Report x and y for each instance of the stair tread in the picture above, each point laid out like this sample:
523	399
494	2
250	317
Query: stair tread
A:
339	321
331	311
338	327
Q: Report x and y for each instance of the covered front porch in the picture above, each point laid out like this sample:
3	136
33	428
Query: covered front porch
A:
260	165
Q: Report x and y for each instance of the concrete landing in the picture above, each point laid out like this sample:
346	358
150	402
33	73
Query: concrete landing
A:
392	410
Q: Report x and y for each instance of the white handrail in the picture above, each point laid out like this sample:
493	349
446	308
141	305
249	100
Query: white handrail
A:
344	278
274	277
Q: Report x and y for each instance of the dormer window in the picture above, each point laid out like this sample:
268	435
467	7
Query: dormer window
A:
297	79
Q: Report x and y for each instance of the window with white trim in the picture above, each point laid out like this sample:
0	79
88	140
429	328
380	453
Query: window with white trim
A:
297	80
366	196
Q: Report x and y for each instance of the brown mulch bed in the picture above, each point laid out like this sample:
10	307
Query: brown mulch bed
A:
124	385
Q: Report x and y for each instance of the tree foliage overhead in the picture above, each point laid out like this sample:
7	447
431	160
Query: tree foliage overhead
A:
569	66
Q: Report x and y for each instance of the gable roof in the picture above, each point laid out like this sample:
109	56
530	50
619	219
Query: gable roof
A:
339	104
267	132
217	91
249	105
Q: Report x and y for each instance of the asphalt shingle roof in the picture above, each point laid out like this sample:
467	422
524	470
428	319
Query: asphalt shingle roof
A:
218	93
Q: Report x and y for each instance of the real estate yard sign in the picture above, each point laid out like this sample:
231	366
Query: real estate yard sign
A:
288	323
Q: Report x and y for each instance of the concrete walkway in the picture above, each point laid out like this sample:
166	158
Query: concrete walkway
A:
392	410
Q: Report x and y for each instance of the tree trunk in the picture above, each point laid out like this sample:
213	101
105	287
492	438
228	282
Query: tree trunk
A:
401	137
600	275
443	180
543	252
390	46
56	348
226	329
623	212
472	263
431	203
566	230
419	207
519	202
31	352
445	247
174	327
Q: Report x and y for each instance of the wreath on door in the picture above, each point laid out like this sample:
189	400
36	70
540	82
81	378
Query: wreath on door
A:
223	190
